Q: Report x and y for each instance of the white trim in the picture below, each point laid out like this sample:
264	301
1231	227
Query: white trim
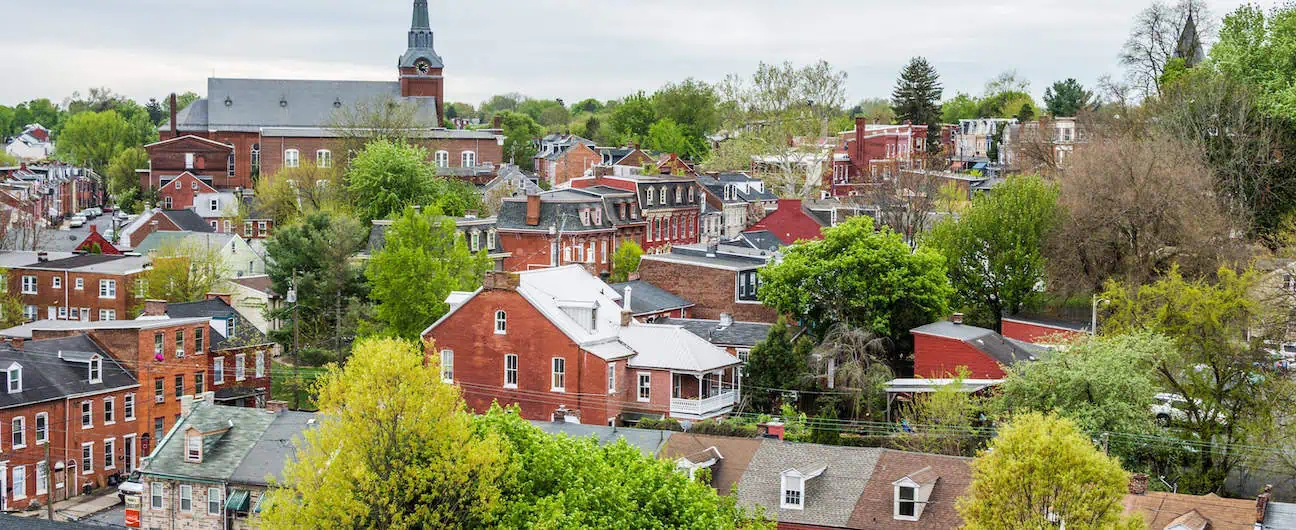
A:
513	356
639	386
110	463
86	469
188	136
554	374
36	428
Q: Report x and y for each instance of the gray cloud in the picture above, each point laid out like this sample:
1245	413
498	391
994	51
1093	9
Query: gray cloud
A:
556	48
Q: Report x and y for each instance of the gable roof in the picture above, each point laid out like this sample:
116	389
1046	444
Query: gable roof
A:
189	138
267	457
1161	510
558	208
759	239
261	283
188	220
737	334
949	474
646	298
790	223
159	240
829	499
215	308
58	368
649	441
672	348
222	455
250	104
736	455
1005	351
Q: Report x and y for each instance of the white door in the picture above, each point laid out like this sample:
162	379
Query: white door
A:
52	313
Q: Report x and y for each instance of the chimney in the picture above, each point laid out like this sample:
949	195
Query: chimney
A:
224	297
957	318
186	404
17	343
1262	502
497	122
275	405
209	397
770	429
634	276
726	320
42	256
500	281
861	123
1138	484
94	229
155	308
626	302
174	130
533	210
470	214
711	250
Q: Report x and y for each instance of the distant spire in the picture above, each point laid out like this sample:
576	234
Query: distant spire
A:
420	39
420	20
1189	47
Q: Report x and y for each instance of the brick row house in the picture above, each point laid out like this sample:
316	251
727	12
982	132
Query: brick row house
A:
718	279
563	157
478	233
669	205
873	151
558	228
555	341
740	199
64	286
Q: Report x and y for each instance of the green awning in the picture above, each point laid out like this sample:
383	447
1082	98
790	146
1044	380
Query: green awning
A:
238	501
256	508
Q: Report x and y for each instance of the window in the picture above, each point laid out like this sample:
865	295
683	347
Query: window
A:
447	366
179	385
155	495
194	185
189	164
15	379
193	448
645	386
559	379
110	453
213	501
663	196
62	313
612	378
649	199
29	312
110	411
107	314
167	201
247	228
261	228
159	390
57	282
20	482
80	284
28	285
107	288
260	364
128	406
510	370
468	159
229	227
906	505
157	346
214	204
690	193
19	432
199	347
474	241
96	369
792	498
186	498
42	427
179	343
87	458
290	158
323	158
256	159
603	245
501	323
218	370
199	384
229	164
239	371
442	158
87	414
490	239
679	194
748	283
42	478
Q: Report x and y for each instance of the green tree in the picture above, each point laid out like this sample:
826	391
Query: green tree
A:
961	107
422	260
632	118
1255	49
318	249
691	104
779	362
40	111
11	303
866	278
520	131
667	136
625	260
852	357
387	176
1067	98
1220	362
588	105
876	110
917	93
123	181
94	138
9	125
500	103
1041	470
7	159
994	250
1005	105
394	447
291	192
184	271
942	420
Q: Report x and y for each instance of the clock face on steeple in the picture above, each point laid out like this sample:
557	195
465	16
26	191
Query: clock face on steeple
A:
423	66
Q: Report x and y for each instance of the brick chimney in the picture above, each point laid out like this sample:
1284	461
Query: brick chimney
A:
627	314
275	405
224	297
861	124
16	343
155	308
957	318
174	128
1138	484
770	429
1262	502
500	281
94	229
533	210
497	122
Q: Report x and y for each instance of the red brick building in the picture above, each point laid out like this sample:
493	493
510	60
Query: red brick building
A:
561	165
556	228
718	279
1041	331
669	205
556	342
180	192
159	220
258	126
874	151
96	243
941	348
84	287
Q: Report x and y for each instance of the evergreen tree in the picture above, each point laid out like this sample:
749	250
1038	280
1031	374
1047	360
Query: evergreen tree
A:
778	362
917	94
1066	98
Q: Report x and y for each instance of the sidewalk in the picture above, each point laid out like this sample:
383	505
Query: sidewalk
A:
79	507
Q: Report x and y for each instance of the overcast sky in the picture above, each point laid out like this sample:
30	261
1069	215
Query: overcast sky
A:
571	49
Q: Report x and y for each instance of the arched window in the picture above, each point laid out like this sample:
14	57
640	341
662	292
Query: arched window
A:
649	200
323	158
501	322
256	158
468	159
290	158
442	158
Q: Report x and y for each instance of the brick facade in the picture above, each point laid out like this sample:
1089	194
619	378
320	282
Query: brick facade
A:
571	164
941	357
205	155
532	249
179	193
61	301
712	291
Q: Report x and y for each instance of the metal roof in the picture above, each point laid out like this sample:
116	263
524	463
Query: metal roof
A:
737	334
250	104
647	298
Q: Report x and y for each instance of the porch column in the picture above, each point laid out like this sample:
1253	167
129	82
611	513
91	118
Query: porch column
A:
699	378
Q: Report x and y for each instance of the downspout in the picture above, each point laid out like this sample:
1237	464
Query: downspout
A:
67	435
66	296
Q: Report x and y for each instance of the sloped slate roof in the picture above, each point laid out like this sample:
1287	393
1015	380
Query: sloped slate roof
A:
245	333
762	239
738	334
648	298
45	376
188	220
951	474
736	454
159	240
512	215
829	498
275	447
648	441
256	103
221	458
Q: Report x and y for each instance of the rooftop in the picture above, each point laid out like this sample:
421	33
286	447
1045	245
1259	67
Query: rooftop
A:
738	334
58	368
649	441
256	445
25	331
216	309
646	298
90	263
1005	351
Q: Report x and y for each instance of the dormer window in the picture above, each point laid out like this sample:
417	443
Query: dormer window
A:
585	217
793	487
15	378
649	198
96	369
193	447
911	493
664	197
906	505
598	216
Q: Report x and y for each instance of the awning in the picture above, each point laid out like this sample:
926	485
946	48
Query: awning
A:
238	501
256	508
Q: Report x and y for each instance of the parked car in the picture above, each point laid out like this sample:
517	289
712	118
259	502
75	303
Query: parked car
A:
1173	407
77	221
97	211
130	486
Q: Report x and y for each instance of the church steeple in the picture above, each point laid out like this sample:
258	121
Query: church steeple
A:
420	40
420	67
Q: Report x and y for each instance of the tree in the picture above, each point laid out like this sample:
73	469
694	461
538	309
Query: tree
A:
184	271
942	420
875	110
9	125
93	138
1007	81
905	203
291	192
667	136
40	111
917	94
500	103
961	107
1103	384
590	105
625	260
520	131
780	362
851	360
632	119
318	249
1155	37
994	251
780	102
11	304
856	275
1251	49
1220	362
691	104
1005	105
1067	98
7	159
382	118
422	260
387	176
1041	470
123	181
404	456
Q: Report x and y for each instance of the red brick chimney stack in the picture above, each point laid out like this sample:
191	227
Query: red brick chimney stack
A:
1262	502
174	128
533	210
957	318
1138	484
500	281
155	308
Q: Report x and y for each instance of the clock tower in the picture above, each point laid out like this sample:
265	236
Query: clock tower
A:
420	67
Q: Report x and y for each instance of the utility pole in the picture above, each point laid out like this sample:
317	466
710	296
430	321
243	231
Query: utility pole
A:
296	354
337	327
49	486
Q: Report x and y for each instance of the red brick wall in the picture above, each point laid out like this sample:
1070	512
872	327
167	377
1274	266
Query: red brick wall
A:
712	291
183	196
672	227
939	357
228	358
71	297
1036	333
272	150
573	163
164	224
531	250
169	159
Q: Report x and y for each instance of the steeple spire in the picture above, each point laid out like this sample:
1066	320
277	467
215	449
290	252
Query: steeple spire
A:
420	38
420	20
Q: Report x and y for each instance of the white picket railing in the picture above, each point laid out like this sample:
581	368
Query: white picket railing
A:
699	407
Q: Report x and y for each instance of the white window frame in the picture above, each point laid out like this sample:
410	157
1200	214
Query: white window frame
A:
186	495
29	285
189	164
18	432
468	159
19	482
14	384
611	380
218	370
157	496
87	414
323	158
128	407
109	411
510	373
87	455
292	158
108	289
107	314
56	282
214	498
790	484
644	388
193	448
447	366
42	476
42	433
79	283
94	370
441	158
898	502
240	370
501	322
558	374
110	453
258	363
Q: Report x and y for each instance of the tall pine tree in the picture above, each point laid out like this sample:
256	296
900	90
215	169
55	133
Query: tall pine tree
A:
917	94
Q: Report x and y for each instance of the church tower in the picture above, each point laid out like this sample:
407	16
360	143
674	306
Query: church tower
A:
420	67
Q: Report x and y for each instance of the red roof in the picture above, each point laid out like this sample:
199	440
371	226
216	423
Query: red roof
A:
105	247
790	223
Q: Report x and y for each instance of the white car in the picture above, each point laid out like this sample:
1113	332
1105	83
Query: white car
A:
1174	407
77	221
131	486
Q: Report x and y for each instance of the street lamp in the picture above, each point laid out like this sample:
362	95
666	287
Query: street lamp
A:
1093	323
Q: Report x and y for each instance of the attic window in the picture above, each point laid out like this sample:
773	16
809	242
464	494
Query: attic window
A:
906	503
15	378
228	102
793	487
193	448
283	102
96	369
337	103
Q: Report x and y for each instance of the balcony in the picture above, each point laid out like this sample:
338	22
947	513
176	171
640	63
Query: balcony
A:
703	408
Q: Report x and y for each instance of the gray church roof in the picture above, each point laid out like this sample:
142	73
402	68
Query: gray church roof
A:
250	104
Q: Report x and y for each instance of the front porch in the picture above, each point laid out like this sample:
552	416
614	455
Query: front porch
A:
700	396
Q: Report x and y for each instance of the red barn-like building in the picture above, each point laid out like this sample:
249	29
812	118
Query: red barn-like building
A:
941	348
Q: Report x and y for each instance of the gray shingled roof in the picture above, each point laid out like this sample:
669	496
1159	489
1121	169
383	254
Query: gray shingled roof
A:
160	239
13	522
649	441
188	220
737	334
249	104
762	240
270	453
45	376
1004	351
829	498
512	214
220	459
647	298
245	333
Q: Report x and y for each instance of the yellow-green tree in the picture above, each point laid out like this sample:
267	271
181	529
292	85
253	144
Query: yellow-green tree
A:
1041	472
184	271
11	303
394	448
